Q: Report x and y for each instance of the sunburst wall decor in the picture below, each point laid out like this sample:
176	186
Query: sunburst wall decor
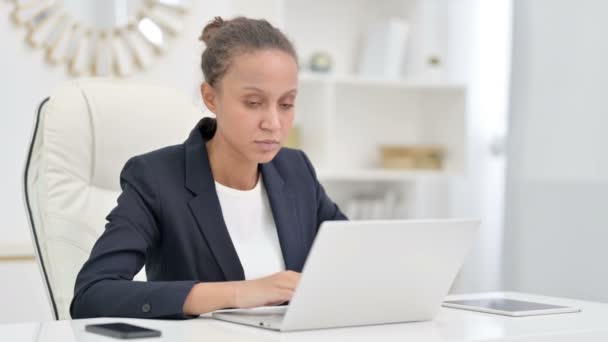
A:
128	40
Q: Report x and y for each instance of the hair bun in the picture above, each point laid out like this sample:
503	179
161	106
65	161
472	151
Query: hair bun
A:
211	29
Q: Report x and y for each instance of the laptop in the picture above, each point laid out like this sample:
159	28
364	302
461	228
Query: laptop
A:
370	272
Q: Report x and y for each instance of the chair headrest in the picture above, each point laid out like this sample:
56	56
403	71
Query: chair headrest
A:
93	126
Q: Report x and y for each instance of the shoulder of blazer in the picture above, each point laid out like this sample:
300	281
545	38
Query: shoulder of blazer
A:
292	163
163	156
162	163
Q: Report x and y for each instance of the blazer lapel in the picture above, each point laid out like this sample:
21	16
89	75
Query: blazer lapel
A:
205	207
285	218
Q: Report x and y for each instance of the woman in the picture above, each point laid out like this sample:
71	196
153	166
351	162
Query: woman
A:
226	219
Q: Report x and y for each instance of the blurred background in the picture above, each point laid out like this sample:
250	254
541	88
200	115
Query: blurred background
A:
407	108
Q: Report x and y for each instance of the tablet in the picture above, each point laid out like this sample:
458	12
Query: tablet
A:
508	307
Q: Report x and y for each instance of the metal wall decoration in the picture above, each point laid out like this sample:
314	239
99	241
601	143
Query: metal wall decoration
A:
120	47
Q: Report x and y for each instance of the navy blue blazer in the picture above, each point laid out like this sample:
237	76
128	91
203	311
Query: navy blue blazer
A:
168	217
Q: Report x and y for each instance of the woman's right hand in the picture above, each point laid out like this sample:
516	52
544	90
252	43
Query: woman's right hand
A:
271	290
275	289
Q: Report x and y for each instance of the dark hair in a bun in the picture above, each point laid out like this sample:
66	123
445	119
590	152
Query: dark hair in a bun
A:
211	29
227	38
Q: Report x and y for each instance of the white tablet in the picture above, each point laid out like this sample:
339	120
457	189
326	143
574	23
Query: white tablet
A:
508	307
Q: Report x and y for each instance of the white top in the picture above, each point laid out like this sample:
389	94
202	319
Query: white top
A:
249	220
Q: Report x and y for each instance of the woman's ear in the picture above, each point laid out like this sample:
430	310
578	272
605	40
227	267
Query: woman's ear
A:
209	96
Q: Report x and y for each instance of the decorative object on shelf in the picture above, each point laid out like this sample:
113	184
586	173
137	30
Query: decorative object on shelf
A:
321	62
412	157
384	49
293	137
434	67
101	37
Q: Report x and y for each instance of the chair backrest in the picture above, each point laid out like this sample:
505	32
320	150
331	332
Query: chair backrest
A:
84	134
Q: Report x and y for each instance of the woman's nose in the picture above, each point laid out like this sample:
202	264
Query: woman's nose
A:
271	120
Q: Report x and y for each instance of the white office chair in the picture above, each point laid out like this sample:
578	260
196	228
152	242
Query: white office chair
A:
84	134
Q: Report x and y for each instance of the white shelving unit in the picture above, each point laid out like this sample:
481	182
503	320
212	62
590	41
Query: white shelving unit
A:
345	121
344	118
377	175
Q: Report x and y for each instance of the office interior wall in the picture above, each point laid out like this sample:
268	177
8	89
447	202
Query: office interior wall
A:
556	228
482	58
22	293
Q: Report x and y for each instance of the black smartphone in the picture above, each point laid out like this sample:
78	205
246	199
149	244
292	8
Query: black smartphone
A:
121	330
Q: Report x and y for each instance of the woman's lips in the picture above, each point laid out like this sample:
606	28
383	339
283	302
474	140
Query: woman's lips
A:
267	145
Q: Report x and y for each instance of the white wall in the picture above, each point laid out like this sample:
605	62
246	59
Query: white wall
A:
482	59
556	228
22	293
26	80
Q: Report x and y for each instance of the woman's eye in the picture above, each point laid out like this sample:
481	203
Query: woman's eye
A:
286	105
253	104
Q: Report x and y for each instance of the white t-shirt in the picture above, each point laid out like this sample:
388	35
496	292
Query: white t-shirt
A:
249	220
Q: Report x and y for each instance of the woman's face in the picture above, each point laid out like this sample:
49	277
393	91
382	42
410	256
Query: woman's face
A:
254	103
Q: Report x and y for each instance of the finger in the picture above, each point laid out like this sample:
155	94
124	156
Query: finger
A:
279	296
286	285
291	277
292	274
273	303
283	294
287	294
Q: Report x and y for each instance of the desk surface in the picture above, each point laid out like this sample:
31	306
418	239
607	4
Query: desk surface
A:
449	325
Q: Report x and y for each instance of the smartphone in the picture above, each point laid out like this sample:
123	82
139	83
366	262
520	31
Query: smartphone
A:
121	330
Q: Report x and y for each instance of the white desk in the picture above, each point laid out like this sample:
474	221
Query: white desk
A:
450	325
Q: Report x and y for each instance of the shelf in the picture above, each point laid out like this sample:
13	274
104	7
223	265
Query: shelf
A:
381	175
308	77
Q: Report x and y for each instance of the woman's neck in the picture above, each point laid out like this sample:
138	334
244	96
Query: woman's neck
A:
229	167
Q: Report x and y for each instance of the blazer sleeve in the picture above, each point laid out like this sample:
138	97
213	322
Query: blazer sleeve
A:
104	285
327	210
